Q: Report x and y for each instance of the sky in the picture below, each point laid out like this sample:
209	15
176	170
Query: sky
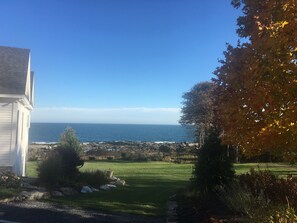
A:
117	61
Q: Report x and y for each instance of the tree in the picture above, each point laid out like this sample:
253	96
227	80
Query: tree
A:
198	110
69	140
256	93
213	168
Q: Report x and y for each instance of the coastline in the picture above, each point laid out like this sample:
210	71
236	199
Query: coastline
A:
127	150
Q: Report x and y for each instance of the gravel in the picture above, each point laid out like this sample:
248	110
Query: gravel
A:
43	212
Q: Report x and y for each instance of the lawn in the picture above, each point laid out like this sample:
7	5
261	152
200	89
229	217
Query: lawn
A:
149	185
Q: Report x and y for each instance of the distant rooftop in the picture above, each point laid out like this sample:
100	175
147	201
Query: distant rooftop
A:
13	70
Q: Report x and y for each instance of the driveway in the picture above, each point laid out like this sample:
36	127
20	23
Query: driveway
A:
43	212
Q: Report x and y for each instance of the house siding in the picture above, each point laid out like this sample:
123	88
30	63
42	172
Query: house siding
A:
22	115
6	128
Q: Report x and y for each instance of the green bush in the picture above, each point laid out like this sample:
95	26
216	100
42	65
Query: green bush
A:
94	178
240	200
61	166
69	140
213	169
50	171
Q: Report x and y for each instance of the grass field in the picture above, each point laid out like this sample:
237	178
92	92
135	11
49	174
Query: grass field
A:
149	185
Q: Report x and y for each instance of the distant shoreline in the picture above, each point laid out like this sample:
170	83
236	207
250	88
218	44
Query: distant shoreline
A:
113	142
155	151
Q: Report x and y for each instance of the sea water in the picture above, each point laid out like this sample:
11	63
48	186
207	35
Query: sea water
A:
50	132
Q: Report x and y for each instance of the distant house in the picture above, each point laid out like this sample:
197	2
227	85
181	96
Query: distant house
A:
16	103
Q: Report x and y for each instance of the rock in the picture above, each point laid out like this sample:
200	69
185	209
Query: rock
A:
107	186
120	183
68	191
29	186
86	189
94	189
104	187
109	174
114	178
33	195
56	193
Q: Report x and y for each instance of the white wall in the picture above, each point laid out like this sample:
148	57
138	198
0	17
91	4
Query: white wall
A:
21	147
6	119
14	134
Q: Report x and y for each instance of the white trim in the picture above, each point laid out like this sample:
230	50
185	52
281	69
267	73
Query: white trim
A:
21	98
11	96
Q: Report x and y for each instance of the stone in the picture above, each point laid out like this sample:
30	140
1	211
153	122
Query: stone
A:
56	193
120	183
33	195
94	189
86	189
29	186
68	191
104	187
109	174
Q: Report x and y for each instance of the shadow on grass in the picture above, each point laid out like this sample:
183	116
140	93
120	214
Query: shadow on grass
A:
145	197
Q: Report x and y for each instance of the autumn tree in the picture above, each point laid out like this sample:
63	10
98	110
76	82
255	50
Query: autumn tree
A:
198	110
256	94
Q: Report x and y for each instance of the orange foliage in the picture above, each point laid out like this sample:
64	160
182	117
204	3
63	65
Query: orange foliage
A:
257	81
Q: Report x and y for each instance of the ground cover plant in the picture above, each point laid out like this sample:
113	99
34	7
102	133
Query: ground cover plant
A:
9	184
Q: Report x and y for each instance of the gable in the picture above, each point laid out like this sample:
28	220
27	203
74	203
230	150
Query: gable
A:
14	70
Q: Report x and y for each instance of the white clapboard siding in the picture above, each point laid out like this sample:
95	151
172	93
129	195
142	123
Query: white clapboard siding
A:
5	134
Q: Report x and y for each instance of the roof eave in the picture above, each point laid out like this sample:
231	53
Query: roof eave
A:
21	98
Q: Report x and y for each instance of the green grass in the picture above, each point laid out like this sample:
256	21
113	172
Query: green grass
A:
149	184
8	192
279	169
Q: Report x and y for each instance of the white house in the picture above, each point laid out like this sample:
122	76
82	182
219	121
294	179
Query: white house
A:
16	103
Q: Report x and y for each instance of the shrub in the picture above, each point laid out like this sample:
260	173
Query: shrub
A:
93	178
164	149
282	215
213	168
50	171
274	189
240	200
9	180
61	166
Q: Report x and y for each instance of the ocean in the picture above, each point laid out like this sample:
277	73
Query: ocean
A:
50	132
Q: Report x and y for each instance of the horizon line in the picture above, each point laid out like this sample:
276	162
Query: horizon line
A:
101	123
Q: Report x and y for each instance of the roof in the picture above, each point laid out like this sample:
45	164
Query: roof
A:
14	64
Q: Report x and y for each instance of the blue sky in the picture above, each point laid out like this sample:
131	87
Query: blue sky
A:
117	61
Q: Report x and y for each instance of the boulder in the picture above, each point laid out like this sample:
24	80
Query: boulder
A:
56	193
68	191
33	195
120	183
104	187
109	174
86	189
94	189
